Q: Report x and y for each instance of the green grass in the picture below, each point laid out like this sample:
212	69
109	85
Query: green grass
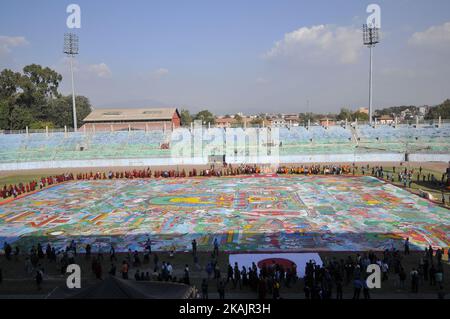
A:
424	186
16	179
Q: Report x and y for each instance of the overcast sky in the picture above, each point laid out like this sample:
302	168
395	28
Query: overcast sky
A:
233	55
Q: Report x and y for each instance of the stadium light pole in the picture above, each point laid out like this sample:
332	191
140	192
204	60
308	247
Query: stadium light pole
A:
370	38
71	48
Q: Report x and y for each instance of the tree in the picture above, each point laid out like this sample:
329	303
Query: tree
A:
62	113
39	85
38	125
397	110
9	91
304	117
44	80
360	116
9	83
257	121
238	119
345	114
442	110
186	117
4	120
32	99
20	118
206	117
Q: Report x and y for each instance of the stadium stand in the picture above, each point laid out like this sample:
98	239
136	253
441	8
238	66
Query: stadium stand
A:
293	141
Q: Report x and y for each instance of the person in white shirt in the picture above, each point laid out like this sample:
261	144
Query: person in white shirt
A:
169	270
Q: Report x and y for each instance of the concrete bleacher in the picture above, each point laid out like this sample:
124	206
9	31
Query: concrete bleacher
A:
316	140
315	134
70	146
315	143
403	132
405	138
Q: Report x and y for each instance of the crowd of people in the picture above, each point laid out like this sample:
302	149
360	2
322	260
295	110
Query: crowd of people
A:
23	188
320	281
327	281
403	175
406	176
317	169
212	171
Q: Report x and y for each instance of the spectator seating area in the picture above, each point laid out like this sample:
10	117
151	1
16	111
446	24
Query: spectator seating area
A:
157	143
405	138
316	140
76	146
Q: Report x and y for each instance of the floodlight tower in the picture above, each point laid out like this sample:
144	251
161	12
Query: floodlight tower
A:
71	48
370	38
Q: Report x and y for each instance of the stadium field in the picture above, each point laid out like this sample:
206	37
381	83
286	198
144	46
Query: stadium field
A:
251	213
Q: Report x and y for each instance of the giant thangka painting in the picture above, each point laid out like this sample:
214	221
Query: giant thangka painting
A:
262	213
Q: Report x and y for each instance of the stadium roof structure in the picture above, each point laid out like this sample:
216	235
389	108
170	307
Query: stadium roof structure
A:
118	288
131	114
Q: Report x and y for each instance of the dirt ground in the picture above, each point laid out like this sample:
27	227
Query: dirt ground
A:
432	166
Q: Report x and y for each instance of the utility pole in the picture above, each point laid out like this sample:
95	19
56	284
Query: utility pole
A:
71	49
370	38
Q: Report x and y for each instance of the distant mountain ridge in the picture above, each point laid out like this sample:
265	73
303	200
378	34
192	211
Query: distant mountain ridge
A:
139	103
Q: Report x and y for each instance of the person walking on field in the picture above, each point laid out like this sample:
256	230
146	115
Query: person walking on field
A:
221	289
216	247
204	289
39	277
414	280
194	247
237	276
124	270
148	245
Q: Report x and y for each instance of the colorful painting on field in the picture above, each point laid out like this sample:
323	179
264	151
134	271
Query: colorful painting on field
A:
262	213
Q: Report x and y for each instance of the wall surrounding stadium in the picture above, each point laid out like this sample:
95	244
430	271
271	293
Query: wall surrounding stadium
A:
320	158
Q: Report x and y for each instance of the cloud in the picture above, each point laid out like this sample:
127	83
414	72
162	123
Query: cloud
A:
398	72
101	70
261	80
433	37
318	44
7	43
82	71
159	73
62	66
